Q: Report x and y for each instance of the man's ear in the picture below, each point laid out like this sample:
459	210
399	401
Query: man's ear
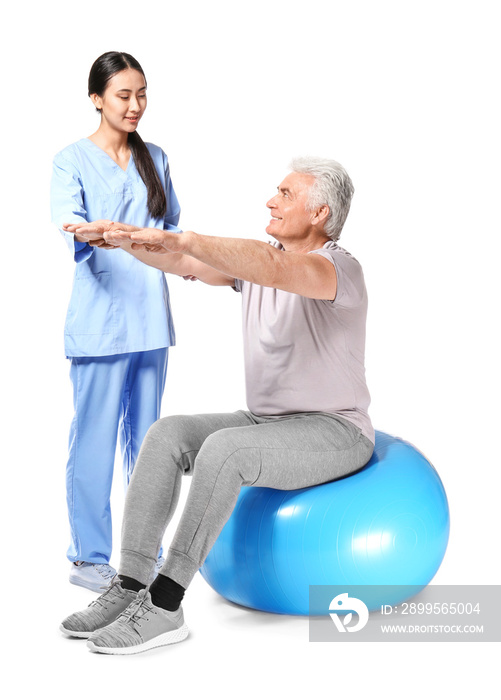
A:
321	215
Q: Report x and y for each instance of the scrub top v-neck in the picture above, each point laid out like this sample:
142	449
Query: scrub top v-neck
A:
118	304
107	155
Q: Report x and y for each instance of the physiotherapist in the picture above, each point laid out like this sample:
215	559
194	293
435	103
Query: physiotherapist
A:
119	324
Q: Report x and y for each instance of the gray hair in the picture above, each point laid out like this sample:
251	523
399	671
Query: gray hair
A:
332	186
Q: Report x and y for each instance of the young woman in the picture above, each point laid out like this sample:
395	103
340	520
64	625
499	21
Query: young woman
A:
119	324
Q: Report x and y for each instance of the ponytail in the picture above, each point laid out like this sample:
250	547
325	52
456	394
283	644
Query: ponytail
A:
157	202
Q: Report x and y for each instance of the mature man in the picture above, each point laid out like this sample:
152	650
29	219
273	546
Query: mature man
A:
304	307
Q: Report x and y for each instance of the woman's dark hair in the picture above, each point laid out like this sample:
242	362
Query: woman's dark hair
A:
103	69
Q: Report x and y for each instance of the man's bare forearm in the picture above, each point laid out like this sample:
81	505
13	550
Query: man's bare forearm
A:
238	258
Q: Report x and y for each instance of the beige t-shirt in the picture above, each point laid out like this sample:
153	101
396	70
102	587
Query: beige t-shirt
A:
307	355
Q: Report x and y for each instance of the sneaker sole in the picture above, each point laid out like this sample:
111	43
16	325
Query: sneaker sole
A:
161	641
74	633
86	584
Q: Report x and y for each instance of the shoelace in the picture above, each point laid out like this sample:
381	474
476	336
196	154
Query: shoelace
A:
105	570
114	591
137	608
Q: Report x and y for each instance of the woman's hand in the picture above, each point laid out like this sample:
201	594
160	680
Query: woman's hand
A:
94	232
91	233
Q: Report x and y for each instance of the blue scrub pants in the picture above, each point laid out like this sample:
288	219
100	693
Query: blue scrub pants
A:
110	394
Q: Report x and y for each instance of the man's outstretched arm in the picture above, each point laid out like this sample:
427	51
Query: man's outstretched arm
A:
234	258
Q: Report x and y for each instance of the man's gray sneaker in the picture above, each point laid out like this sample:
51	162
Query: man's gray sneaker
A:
141	627
101	612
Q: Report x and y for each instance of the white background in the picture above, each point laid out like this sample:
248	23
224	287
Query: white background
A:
406	95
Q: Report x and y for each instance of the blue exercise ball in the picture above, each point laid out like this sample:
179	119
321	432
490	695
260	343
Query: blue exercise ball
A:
385	526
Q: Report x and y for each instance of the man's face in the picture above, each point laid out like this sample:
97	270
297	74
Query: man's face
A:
290	217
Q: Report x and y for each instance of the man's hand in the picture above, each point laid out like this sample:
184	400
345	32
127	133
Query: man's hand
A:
147	239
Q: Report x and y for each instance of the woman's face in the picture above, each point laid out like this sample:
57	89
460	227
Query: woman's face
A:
123	102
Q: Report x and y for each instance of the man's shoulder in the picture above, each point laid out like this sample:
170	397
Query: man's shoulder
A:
333	250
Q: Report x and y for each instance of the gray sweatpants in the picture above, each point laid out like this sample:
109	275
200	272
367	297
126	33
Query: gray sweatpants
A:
223	451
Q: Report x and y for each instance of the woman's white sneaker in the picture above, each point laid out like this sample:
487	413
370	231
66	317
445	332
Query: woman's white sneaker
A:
94	577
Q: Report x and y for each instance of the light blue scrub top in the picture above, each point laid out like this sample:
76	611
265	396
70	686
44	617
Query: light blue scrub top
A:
118	304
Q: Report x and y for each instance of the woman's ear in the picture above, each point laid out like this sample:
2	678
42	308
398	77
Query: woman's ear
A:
96	101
